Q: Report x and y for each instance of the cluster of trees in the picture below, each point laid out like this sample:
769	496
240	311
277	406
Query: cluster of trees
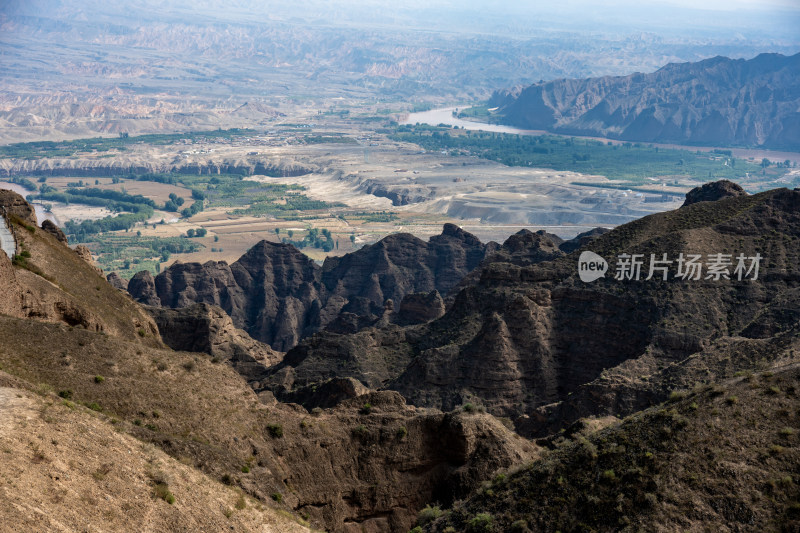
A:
26	184
192	210
167	247
137	207
115	201
39	149
315	238
174	203
81	230
199	232
630	161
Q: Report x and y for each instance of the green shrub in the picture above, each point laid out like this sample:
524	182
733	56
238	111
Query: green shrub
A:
99	379
366	409
94	406
277	496
241	503
245	469
676	396
519	526
609	475
275	430
402	432
162	491
66	394
428	514
481	523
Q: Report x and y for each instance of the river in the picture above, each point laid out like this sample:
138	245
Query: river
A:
444	115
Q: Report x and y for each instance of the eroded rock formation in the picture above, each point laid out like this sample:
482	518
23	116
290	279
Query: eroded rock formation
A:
279	296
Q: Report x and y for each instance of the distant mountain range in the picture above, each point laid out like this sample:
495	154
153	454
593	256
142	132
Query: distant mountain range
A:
717	101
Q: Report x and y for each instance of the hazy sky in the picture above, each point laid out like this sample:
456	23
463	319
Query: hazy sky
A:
750	19
728	5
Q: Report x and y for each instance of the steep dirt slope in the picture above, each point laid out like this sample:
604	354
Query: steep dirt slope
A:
50	281
717	458
73	470
371	462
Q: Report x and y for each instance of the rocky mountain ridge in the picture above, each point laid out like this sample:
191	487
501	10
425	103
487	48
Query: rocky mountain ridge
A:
530	341
713	102
279	296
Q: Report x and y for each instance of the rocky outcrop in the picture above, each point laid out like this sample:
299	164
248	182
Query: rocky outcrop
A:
398	194
86	254
711	192
273	291
421	307
327	394
714	102
117	282
400	264
526	248
208	329
142	286
279	296
14	205
381	461
54	230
